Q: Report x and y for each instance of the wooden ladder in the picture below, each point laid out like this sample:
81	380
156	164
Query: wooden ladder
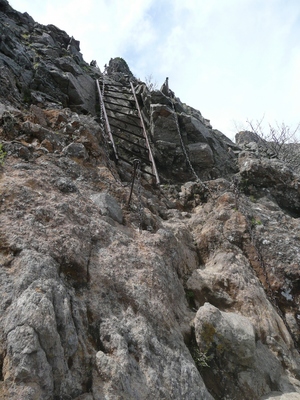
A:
124	126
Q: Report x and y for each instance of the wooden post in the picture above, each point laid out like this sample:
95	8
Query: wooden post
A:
151	158
106	120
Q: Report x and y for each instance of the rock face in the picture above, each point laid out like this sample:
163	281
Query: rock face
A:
190	292
181	135
42	64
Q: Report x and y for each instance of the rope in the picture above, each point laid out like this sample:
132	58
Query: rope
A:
101	104
184	147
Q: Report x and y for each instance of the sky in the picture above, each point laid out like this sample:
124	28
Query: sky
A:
234	60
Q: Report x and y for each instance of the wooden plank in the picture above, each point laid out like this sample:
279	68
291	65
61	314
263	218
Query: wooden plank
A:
126	130
123	113
130	141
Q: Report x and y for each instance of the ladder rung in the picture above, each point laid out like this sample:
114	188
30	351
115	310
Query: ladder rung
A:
130	163
146	160
119	98
130	141
115	84
120	105
126	130
120	112
107	89
123	122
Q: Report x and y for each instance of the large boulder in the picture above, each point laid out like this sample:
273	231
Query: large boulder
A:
275	176
183	139
227	335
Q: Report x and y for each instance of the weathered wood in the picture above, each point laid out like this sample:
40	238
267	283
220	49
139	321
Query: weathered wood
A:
106	120
151	158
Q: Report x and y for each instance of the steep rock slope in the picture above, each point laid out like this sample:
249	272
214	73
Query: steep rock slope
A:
190	292
42	64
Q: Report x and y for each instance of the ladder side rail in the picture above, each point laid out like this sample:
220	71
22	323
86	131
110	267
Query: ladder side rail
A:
151	158
125	92
106	120
110	96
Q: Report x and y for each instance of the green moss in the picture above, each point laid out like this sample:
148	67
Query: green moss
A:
25	36
208	334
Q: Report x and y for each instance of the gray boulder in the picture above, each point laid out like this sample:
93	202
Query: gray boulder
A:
108	206
201	154
228	335
76	150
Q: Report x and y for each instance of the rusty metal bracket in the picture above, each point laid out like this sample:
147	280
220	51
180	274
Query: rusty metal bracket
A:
136	164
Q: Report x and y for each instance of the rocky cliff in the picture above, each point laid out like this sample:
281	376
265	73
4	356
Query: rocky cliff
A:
189	292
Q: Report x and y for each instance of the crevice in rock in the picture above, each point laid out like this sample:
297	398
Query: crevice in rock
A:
87	385
70	362
292	212
206	367
2	355
190	296
94	332
75	274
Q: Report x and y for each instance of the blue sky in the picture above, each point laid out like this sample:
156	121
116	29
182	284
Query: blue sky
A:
234	60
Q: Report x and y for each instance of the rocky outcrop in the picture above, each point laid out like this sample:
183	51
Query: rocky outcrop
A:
239	253
42	65
181	136
191	291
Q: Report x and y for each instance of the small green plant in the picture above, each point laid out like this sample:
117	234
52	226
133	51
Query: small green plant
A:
190	294
25	36
252	199
190	297
2	154
201	359
255	221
